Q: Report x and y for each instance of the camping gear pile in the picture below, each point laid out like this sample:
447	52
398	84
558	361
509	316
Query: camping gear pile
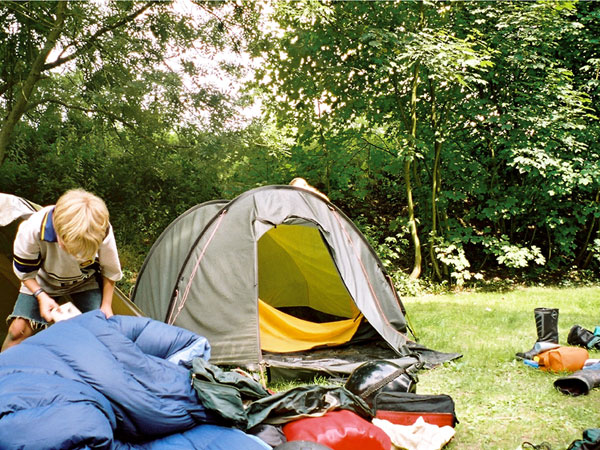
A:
124	383
92	382
548	355
369	411
278	279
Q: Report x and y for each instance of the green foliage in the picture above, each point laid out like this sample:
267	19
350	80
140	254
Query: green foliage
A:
258	155
506	124
118	119
453	256
495	105
595	250
511	255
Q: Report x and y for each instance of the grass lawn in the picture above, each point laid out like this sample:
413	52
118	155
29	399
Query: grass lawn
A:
501	402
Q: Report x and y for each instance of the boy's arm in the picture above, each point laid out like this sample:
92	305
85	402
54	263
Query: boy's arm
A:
110	268
108	289
46	303
27	261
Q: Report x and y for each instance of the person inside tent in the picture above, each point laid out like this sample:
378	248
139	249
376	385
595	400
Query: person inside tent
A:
302	183
65	249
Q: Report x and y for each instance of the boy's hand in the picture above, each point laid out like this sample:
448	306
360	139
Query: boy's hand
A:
107	310
47	304
64	312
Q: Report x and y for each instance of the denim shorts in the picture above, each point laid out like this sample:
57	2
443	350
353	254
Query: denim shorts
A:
27	307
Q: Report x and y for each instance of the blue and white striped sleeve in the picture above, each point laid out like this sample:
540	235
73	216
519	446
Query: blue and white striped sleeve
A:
27	258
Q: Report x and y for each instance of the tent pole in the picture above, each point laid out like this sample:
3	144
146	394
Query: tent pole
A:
263	370
410	327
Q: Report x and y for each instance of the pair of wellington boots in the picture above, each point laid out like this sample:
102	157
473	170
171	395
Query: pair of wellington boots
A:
546	324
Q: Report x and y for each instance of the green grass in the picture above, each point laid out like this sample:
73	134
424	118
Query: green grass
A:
500	401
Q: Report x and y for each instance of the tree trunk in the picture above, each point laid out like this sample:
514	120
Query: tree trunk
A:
416	272
581	260
435	178
27	88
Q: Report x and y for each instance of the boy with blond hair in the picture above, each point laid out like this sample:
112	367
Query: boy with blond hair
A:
63	250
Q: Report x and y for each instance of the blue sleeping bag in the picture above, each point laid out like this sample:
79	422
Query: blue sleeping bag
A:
92	382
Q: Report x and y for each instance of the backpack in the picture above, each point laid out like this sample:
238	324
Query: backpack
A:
590	441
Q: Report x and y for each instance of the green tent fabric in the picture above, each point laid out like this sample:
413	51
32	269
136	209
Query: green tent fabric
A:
282	244
13	210
166	256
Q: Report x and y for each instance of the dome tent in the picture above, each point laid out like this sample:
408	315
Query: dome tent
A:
276	270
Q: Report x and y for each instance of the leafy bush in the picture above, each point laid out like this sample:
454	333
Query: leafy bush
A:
512	255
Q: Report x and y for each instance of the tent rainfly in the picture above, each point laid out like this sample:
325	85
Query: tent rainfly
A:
278	269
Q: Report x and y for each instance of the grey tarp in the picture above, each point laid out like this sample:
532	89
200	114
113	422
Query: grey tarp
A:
13	210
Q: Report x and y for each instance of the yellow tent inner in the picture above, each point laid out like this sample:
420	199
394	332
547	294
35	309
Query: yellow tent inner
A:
295	269
282	333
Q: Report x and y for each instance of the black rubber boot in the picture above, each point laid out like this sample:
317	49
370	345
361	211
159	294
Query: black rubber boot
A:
546	324
583	338
579	383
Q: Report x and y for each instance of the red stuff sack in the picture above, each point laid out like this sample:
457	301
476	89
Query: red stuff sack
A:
339	430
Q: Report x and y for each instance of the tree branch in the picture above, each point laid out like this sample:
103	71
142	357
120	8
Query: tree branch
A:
109	115
378	147
92	40
6	87
236	42
27	88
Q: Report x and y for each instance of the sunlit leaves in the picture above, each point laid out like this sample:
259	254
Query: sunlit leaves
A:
510	85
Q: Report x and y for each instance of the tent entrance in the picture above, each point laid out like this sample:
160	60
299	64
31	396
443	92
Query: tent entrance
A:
303	300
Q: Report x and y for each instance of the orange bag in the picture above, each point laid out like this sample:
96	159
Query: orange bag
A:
563	359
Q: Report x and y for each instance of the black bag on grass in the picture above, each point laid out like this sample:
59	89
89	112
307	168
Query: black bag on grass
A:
373	377
404	408
590	441
583	338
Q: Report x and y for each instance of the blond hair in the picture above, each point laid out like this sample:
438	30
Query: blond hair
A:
302	183
81	223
